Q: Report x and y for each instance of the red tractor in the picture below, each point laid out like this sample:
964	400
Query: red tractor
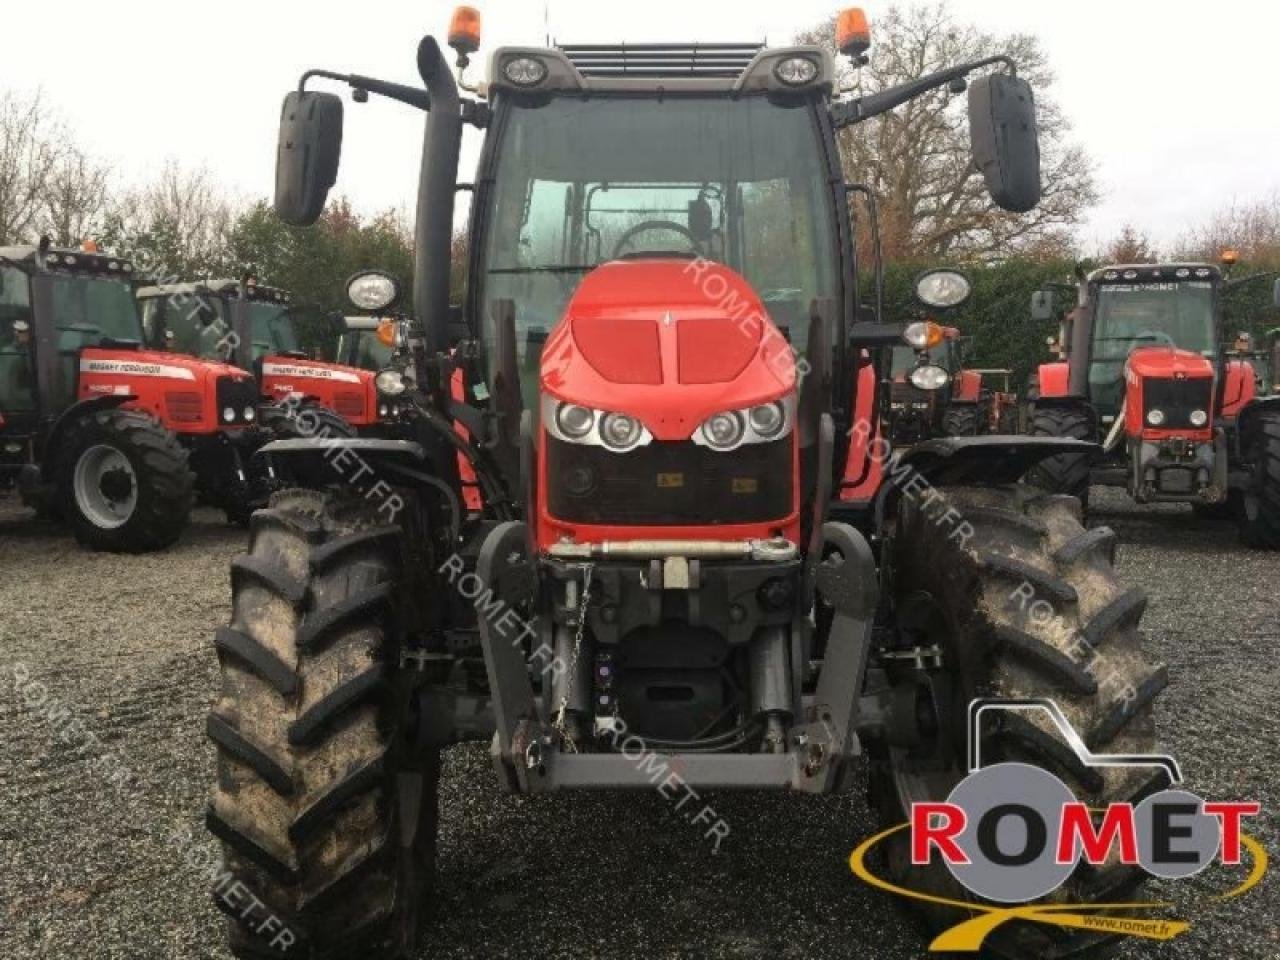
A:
251	325
681	568
97	429
1146	369
933	394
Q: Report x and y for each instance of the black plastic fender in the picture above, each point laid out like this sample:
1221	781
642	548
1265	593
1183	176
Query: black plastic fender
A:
49	448
967	462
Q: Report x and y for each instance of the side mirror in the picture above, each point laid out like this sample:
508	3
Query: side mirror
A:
1043	305
1005	144
307	154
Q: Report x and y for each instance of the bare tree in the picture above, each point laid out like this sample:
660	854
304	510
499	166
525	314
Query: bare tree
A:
1131	245
29	152
180	223
74	199
1251	228
917	157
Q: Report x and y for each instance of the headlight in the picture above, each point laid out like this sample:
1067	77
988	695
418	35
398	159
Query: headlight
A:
250	413
373	290
390	382
384	410
1155	416
229	414
525	71
923	335
724	431
620	432
762	423
795	71
768	419
942	289
574	421
929	377
1198	418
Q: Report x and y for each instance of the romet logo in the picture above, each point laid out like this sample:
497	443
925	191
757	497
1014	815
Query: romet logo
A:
1011	833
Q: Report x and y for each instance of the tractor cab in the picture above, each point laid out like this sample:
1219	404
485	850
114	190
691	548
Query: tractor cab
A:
53	305
572	182
220	320
1144	317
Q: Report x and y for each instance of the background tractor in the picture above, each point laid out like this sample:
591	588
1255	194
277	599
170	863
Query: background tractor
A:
933	395
1146	368
680	551
251	325
98	430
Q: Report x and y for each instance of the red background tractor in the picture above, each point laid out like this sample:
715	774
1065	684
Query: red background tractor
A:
98	429
1148	372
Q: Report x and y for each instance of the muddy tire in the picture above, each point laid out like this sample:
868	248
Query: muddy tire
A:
961	420
1260	502
325	814
123	482
1067	473
973	601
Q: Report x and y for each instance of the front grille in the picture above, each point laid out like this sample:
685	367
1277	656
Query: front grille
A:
240	394
349	405
1176	399
669	483
184	406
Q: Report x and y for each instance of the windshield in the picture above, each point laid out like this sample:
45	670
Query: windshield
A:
17	379
87	310
362	348
198	324
580	182
272	328
1129	316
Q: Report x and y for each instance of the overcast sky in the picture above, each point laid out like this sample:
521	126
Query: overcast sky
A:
1174	100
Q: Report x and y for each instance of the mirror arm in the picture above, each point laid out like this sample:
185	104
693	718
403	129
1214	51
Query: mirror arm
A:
413	96
863	108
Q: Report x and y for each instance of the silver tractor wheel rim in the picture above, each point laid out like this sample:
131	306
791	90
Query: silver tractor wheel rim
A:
105	487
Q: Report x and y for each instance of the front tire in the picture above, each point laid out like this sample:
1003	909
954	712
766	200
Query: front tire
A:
1260	501
961	420
1067	473
124	483
975	601
325	812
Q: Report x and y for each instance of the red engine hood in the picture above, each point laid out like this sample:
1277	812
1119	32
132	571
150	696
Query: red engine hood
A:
1168	362
669	341
154	363
313	371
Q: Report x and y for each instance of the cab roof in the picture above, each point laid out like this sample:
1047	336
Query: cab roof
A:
217	288
58	258
656	68
1148	272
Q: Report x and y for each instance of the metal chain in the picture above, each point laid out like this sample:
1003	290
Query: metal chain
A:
572	668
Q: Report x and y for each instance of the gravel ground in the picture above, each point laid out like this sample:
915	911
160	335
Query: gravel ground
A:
104	854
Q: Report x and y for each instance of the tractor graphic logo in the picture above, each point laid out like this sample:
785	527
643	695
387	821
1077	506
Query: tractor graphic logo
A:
1012	834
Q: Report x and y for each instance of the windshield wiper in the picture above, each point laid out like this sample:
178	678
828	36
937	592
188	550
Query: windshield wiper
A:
547	268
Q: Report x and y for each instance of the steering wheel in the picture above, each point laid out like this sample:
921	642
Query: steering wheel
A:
1157	335
646	225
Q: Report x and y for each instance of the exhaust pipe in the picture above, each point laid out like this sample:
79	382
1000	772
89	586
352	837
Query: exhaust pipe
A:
437	180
